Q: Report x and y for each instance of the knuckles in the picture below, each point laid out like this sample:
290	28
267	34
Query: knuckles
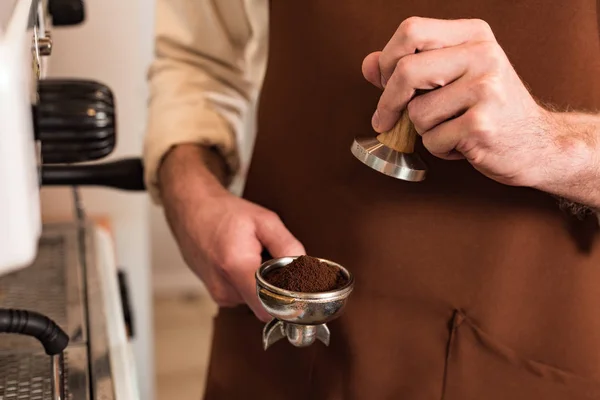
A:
233	261
489	87
483	28
404	68
220	296
269	218
489	55
230	262
415	112
410	28
480	130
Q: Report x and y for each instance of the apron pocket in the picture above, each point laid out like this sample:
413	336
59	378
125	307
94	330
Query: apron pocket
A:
480	368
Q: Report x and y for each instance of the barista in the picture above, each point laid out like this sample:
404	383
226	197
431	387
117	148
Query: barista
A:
474	284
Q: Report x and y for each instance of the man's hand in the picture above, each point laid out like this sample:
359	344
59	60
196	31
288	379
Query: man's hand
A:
220	236
480	110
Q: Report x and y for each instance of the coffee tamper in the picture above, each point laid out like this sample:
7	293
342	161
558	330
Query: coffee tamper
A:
392	153
300	317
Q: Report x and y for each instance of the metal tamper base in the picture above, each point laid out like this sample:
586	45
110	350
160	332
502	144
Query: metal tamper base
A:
392	152
299	317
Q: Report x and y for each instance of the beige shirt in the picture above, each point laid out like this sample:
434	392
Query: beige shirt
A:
210	63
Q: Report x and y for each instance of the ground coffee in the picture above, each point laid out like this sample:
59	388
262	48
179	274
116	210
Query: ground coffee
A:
307	274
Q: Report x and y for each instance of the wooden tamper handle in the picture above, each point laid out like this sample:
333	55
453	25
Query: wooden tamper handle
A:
393	152
402	136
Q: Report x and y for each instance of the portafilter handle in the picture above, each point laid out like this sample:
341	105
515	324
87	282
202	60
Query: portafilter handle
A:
124	174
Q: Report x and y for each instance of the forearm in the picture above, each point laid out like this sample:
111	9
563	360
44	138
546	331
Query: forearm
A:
191	170
577	154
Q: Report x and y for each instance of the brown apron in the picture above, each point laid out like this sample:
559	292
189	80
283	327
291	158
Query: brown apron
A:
465	288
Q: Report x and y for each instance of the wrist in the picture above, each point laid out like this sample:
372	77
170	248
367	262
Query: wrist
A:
191	170
572	162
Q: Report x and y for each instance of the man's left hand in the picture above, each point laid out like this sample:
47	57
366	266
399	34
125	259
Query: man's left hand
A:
480	110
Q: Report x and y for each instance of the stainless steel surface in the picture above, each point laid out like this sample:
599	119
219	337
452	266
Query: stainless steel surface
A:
52	286
299	307
298	335
44	44
302	315
102	383
102	379
27	375
272	332
405	166
58	377
304	335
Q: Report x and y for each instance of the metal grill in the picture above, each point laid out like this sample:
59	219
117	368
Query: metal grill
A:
44	279
54	286
26	377
40	287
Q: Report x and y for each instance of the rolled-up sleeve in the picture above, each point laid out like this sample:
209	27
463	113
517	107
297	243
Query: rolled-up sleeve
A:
210	58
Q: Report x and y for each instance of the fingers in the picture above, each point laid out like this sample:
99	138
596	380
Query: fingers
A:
425	34
467	135
433	108
428	70
237	257
370	69
442	140
273	234
241	266
223	293
240	270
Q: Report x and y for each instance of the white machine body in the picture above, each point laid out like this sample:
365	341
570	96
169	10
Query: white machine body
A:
21	26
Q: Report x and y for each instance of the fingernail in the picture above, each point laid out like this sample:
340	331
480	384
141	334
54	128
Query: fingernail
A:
375	120
383	81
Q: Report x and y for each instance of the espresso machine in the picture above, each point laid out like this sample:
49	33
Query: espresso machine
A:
65	317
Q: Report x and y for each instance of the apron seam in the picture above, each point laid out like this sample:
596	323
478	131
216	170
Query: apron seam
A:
457	319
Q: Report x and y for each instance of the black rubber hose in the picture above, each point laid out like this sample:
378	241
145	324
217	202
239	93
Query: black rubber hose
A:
36	325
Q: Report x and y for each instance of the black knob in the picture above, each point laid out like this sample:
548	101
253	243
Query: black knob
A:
125	174
74	120
66	12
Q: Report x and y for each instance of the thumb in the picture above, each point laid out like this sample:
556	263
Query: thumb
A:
273	234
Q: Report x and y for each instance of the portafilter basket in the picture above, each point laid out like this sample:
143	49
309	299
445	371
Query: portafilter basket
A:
300	317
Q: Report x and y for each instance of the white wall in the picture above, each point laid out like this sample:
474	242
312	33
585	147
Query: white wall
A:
115	47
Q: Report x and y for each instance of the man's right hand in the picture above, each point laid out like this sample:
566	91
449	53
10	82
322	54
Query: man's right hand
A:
220	235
